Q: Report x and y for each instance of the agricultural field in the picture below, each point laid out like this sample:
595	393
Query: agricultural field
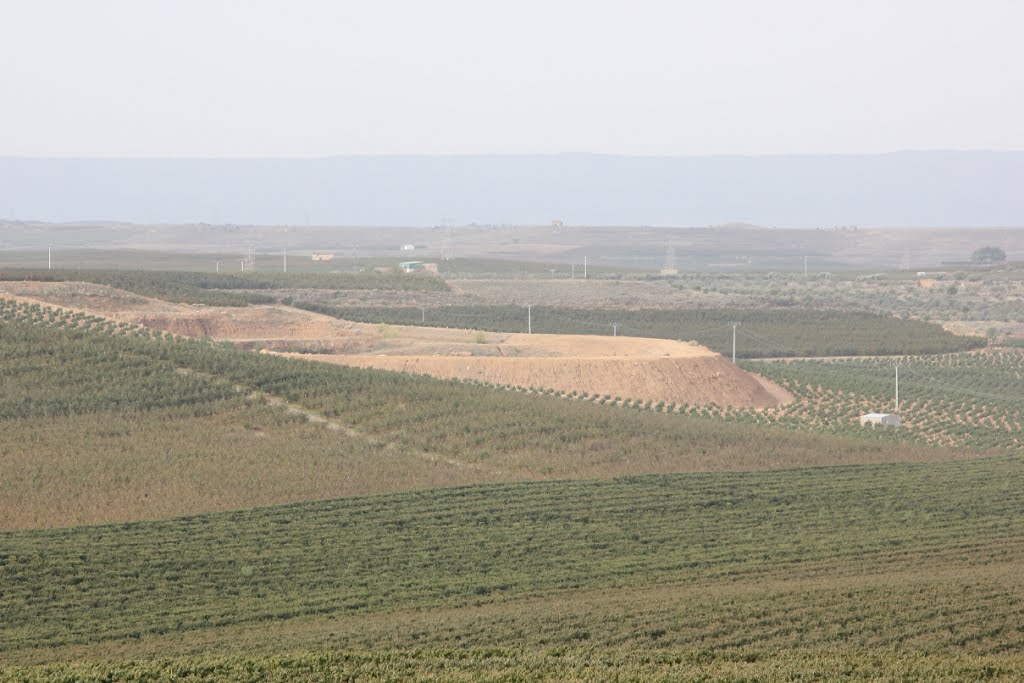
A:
945	294
991	301
959	400
224	289
104	421
849	572
762	333
175	506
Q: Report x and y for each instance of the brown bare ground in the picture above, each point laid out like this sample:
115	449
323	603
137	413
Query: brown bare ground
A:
627	367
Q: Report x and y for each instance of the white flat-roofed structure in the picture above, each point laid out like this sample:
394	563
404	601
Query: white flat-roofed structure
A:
880	419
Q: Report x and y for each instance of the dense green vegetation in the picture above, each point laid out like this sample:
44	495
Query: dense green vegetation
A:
762	333
70	363
216	289
910	559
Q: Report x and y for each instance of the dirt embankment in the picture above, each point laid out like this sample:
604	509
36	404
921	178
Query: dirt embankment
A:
671	380
618	367
656	370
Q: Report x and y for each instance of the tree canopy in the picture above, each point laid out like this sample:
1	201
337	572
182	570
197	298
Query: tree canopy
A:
988	255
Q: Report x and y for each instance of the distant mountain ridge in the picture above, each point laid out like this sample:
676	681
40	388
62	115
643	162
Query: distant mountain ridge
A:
936	188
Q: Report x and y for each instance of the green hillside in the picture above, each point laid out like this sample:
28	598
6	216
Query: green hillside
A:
909	560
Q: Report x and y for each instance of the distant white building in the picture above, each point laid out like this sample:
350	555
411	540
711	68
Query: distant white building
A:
408	247
880	419
317	256
411	266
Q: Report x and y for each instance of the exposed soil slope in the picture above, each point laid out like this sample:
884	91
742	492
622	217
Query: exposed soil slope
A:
656	370
618	367
671	380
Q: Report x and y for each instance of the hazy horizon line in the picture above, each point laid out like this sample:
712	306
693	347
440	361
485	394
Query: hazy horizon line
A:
412	155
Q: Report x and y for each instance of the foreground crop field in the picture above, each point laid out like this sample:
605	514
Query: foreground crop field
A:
768	573
575	665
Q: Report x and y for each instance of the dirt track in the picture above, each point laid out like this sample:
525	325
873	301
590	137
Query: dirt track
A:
619	367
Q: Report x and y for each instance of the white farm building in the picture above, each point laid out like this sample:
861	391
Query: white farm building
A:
880	419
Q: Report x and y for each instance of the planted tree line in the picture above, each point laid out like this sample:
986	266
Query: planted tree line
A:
761	333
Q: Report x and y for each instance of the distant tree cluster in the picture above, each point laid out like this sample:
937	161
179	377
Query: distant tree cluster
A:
988	255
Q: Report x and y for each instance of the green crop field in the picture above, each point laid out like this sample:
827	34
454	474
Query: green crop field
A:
221	289
836	567
762	333
958	400
109	422
177	509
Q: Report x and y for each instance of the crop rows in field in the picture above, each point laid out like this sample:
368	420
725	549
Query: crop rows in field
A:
813	557
122	385
966	399
762	333
462	419
57	362
954	400
219	289
577	664
971	400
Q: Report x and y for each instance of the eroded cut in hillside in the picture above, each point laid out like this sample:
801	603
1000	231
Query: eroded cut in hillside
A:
619	368
657	370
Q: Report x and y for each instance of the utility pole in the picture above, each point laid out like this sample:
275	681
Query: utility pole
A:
897	389
284	256
734	326
49	256
218	266
355	248
615	329
584	267
529	318
423	315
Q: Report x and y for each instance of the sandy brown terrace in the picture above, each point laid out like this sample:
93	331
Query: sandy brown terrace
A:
657	370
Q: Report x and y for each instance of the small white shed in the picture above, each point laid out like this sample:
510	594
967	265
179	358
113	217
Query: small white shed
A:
880	419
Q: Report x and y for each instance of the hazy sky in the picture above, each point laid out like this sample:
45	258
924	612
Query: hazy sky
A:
308	78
